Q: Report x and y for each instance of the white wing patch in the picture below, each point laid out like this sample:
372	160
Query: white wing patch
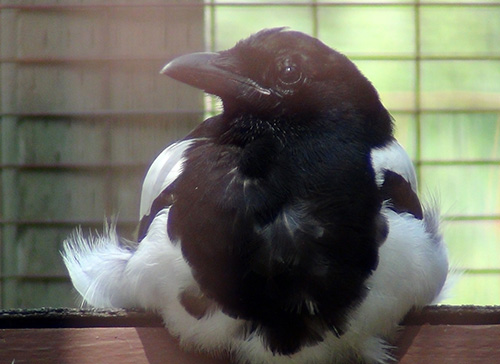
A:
163	171
394	158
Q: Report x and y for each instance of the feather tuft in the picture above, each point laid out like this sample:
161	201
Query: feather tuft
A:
96	264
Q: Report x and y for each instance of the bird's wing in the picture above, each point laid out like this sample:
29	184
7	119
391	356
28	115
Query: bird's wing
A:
393	157
163	171
395	176
169	164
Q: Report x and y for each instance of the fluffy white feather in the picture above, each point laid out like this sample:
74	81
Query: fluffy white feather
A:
108	274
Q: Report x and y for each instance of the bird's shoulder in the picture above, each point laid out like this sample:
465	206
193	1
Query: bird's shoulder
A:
167	167
396	178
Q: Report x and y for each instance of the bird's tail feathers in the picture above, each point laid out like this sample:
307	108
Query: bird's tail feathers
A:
110	272
96	264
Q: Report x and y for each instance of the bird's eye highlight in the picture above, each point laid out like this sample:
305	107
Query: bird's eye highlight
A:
289	73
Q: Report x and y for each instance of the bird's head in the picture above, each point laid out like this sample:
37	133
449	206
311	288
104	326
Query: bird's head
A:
286	73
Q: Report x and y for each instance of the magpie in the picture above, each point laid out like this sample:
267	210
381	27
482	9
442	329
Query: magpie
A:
288	228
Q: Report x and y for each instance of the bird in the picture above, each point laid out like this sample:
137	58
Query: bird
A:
286	229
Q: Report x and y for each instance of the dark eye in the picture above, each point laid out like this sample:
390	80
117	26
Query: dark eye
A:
289	73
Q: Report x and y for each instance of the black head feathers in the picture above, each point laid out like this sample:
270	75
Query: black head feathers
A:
278	72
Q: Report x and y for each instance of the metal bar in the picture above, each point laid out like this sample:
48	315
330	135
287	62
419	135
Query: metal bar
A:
461	162
65	278
100	114
63	223
493	217
86	60
355	3
98	168
315	18
452	111
107	132
35	277
481	271
418	89
209	101
84	115
133	222
238	4
102	167
163	59
212	25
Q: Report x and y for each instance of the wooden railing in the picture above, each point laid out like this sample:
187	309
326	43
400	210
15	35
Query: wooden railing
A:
436	335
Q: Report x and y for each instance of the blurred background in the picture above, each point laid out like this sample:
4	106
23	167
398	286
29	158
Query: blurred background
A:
83	112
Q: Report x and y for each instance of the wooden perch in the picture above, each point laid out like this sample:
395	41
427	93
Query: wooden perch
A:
443	334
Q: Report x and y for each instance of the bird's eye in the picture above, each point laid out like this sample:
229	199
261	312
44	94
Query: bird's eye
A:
289	73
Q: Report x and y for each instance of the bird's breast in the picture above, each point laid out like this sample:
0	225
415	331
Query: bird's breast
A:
266	248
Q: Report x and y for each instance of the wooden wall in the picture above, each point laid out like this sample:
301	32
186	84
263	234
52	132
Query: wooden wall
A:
83	112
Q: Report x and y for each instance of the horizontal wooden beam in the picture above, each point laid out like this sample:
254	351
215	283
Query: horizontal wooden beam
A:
449	344
120	345
435	335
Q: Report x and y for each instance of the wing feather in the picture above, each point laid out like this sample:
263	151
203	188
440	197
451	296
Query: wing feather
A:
163	171
393	157
396	179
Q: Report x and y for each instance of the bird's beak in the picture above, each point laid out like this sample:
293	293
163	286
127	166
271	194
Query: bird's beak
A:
210	72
